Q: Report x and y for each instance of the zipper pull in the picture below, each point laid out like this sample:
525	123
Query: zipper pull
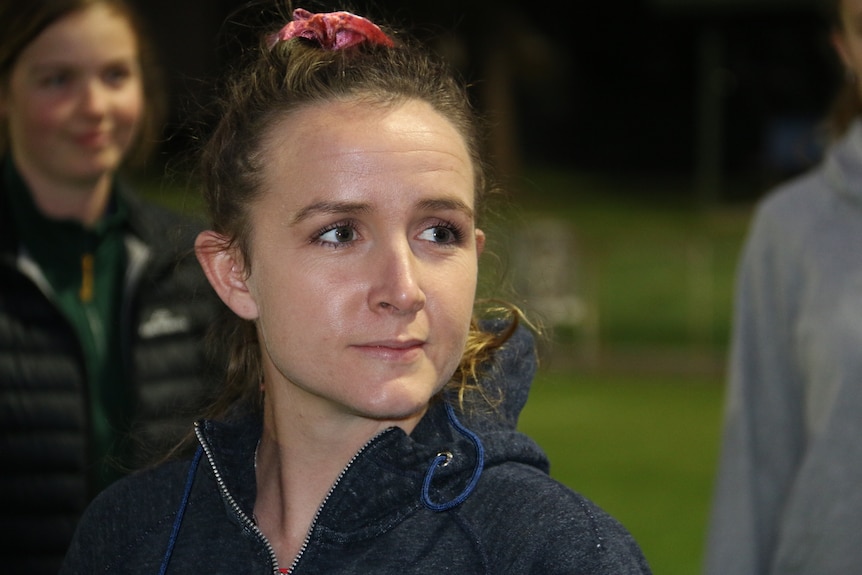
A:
86	291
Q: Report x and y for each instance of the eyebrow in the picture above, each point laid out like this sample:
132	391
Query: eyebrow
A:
324	208
50	67
57	61
443	204
330	208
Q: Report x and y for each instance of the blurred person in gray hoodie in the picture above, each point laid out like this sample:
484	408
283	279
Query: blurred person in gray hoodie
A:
787	495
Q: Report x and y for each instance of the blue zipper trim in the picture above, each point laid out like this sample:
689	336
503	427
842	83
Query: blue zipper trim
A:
181	511
442	460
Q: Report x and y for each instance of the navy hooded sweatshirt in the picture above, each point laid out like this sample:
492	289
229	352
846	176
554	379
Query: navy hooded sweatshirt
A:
451	497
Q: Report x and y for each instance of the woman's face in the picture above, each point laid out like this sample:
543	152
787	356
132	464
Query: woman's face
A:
848	39
364	257
74	98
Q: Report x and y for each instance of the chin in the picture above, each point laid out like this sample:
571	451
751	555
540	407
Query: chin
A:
400	404
396	409
107	160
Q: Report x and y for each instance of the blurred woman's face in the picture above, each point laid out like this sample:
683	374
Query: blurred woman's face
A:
848	39
74	98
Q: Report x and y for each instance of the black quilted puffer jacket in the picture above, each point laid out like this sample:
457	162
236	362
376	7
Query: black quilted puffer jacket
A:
44	422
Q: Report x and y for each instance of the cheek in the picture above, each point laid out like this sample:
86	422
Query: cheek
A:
130	109
307	299
34	133
37	118
853	50
453	294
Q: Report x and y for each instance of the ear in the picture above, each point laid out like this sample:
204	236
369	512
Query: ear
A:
839	42
226	273
480	242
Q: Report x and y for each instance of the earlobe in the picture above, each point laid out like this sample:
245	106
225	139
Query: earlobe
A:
480	242
226	273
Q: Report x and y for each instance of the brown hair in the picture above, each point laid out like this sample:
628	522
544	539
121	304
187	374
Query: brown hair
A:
21	22
267	84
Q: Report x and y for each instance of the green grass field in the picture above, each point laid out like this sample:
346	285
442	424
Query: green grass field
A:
651	265
636	429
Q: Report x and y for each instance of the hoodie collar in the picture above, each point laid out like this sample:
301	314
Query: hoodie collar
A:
843	164
386	480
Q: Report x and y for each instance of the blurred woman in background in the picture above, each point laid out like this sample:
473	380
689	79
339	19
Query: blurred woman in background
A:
787	497
101	316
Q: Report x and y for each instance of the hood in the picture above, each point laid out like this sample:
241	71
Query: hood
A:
506	378
392	477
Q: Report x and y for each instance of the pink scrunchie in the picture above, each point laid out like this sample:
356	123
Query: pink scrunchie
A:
331	30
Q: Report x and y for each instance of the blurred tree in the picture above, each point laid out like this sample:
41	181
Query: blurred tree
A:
595	86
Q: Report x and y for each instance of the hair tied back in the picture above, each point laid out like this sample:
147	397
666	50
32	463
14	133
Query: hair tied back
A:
330	30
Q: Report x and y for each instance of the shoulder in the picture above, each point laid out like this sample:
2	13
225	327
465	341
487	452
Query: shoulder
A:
133	513
529	519
158	225
167	238
795	200
150	495
790	218
539	497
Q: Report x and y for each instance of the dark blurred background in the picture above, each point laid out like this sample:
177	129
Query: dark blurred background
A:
717	91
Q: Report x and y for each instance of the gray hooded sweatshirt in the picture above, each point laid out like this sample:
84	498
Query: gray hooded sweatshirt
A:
788	496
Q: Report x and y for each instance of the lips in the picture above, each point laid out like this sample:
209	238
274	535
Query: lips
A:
95	139
401	351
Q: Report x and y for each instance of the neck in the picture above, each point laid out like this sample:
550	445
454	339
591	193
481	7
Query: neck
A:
293	478
297	463
81	200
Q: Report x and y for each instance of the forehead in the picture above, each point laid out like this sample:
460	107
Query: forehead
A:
357	124
357	141
94	33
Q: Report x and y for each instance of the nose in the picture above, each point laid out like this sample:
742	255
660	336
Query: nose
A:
395	284
94	98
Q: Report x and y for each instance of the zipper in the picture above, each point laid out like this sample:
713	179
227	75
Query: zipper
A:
137	258
251	525
245	519
329	494
85	293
